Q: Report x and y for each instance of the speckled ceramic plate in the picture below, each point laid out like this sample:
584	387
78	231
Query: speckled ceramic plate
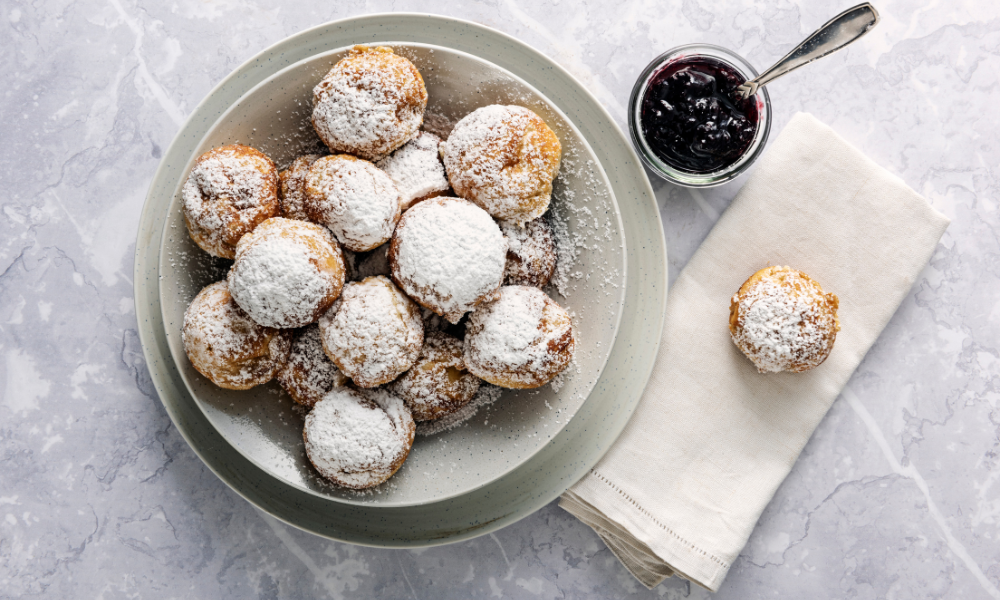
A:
262	424
567	455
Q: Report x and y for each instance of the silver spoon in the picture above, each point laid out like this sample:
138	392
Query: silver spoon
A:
844	29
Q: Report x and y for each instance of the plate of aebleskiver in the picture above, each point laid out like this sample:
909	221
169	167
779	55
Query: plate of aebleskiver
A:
264	425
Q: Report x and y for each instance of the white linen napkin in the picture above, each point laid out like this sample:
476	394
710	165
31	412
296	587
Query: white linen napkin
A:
712	439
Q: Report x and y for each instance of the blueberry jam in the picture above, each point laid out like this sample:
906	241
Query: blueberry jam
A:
691	117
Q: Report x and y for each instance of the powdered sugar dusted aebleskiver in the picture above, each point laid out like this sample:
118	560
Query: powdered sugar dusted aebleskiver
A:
522	340
309	373
416	169
438	384
504	159
531	253
783	321
370	103
373	332
448	255
286	272
292	191
355	199
358	440
230	190
225	345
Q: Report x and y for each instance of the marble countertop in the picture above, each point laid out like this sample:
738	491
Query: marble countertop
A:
897	495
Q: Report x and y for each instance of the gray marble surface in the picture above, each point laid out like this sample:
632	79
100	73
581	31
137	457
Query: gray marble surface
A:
896	496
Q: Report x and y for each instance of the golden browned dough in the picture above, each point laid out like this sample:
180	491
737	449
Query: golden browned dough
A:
292	191
783	321
226	346
229	191
531	253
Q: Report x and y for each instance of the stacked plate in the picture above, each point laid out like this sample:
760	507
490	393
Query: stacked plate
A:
526	448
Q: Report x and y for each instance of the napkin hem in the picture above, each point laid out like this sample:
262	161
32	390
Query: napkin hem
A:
637	557
649	516
674	551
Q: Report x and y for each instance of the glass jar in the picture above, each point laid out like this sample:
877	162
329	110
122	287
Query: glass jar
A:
684	177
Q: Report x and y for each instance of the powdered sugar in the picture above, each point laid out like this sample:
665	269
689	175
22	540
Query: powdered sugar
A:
357	441
504	159
784	322
449	255
369	104
229	191
393	407
282	276
416	169
358	202
509	327
373	332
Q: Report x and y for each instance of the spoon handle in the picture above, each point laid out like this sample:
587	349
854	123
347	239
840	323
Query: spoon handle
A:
838	32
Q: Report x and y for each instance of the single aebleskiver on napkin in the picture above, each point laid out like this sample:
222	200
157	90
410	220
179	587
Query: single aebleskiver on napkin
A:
712	439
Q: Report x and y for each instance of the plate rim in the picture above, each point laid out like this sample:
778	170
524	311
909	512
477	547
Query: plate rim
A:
226	115
234	475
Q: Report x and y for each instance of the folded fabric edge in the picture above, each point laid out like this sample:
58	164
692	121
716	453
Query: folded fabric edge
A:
635	556
621	541
630	521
